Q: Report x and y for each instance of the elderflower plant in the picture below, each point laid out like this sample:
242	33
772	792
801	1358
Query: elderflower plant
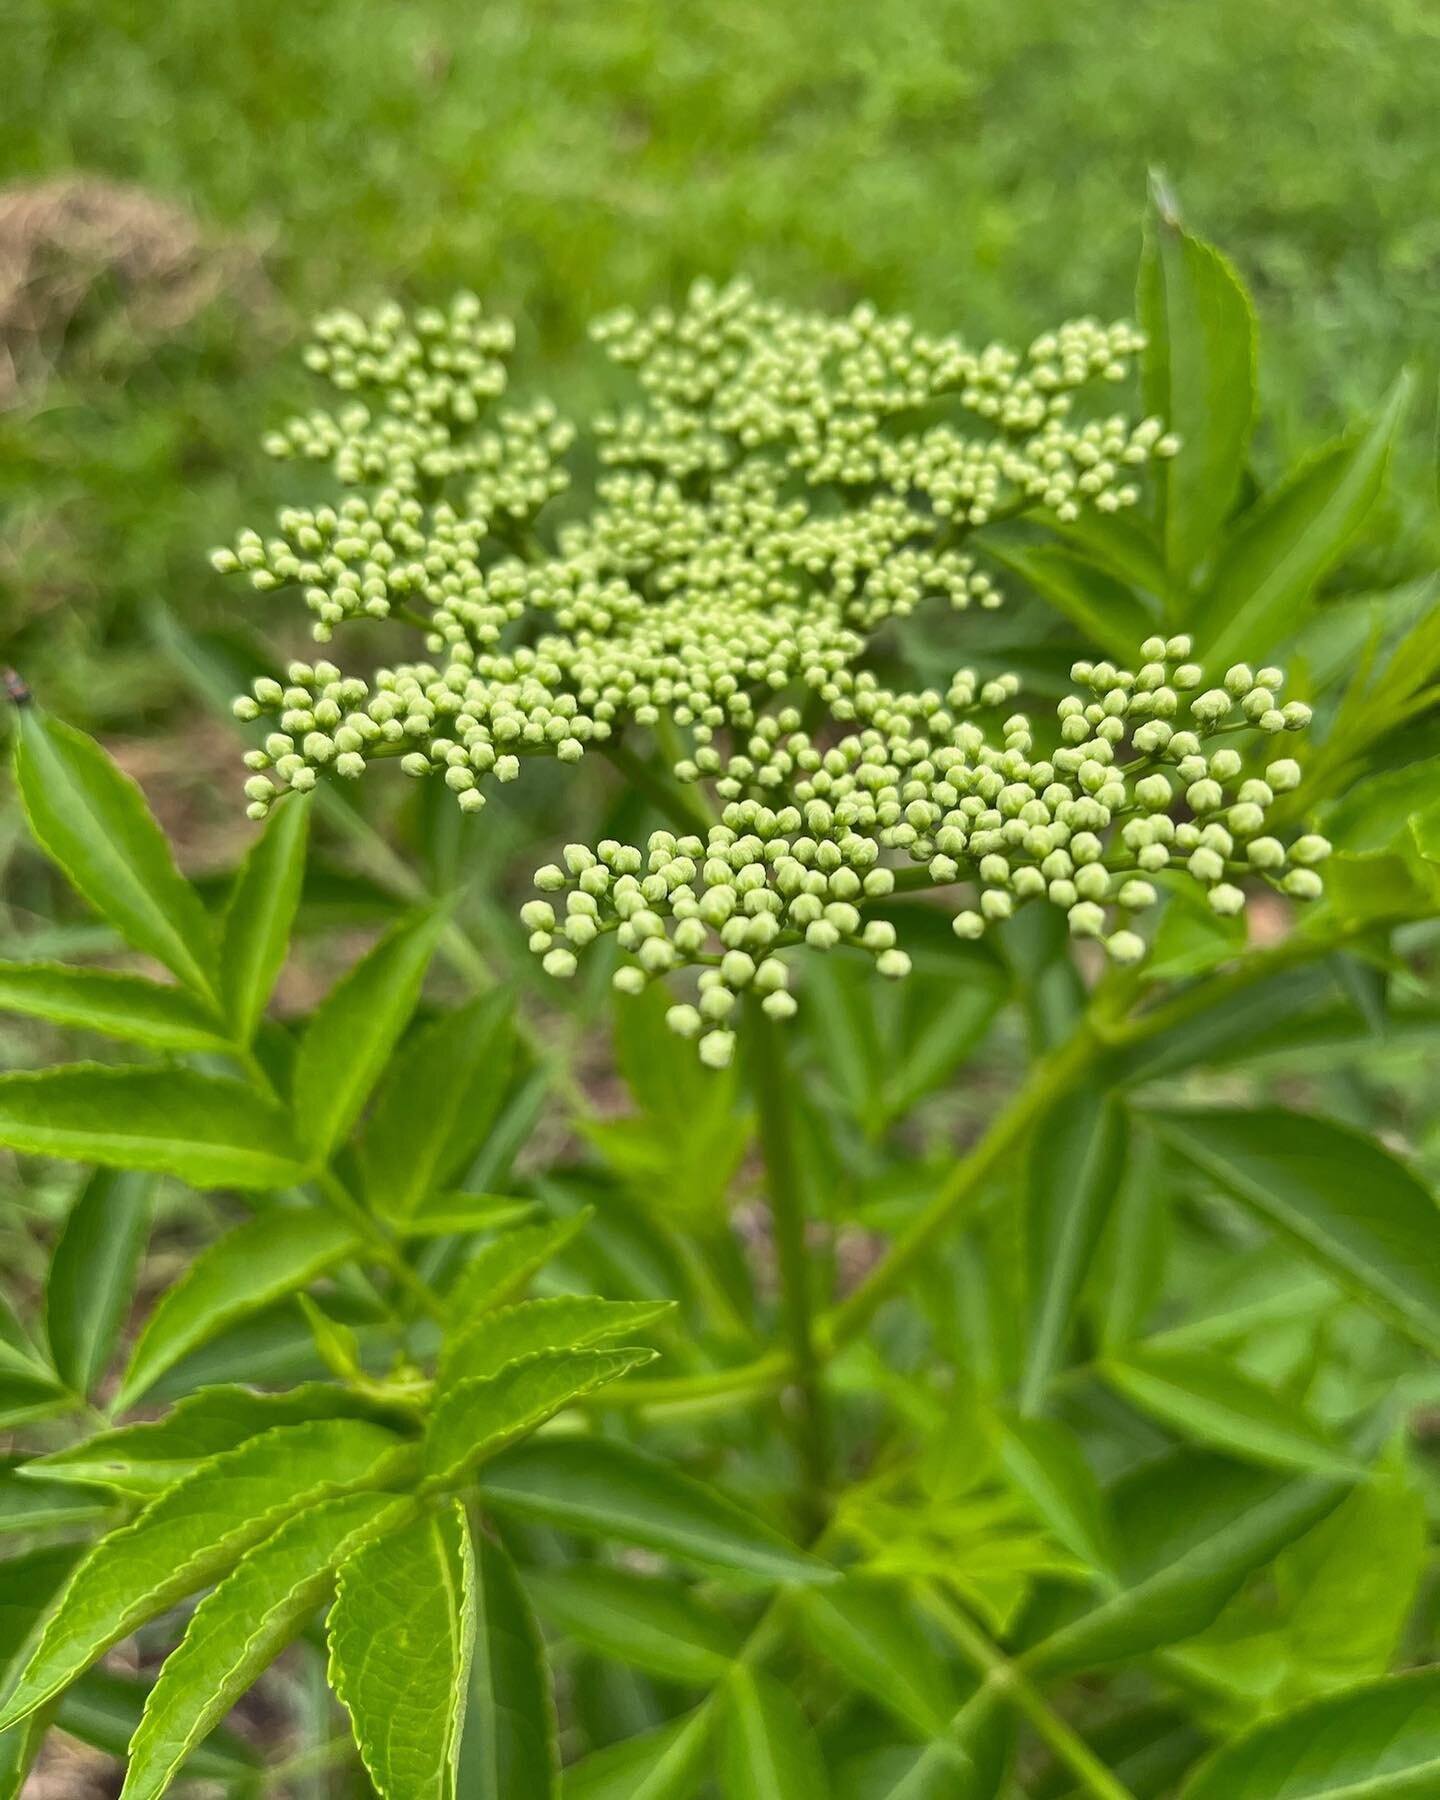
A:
784	485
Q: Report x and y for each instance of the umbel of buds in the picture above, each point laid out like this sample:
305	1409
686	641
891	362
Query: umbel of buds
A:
1150	782
784	484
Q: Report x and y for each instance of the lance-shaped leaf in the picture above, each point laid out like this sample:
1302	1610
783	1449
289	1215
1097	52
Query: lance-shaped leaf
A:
1268	569
142	1459
665	1764
1216	1403
568	1322
439	1099
94	822
607	1490
256	931
92	1273
192	1534
28	1587
114	1004
1077	1161
1336	1195
237	1631
201	1129
1198	375
258	1262
872	1633
642	1620
510	1742
498	1270
1192	1529
479	1417
401	1635
1377	1742
767	1751
1045	1462
1107	612
458	1214
354	1029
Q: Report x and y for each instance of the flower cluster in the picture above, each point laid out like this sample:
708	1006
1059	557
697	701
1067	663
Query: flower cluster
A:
787	483
1153	779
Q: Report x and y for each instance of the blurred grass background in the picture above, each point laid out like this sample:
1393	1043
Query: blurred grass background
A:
978	163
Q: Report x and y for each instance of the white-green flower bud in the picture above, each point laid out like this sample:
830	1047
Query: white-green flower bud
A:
717	1049
1227	900
1125	947
627	979
1303	884
1086	919
560	963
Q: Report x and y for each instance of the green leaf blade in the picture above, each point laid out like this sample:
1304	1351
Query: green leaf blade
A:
190	1535
93	821
204	1130
256	1263
111	1003
255	933
241	1627
510	1744
92	1274
401	1633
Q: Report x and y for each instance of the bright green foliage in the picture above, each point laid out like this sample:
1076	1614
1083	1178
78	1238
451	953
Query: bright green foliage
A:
997	1385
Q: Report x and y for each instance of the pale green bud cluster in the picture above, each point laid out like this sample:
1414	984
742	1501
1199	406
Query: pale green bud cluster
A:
1153	779
774	499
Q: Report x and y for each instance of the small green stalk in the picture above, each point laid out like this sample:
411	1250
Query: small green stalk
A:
773	1085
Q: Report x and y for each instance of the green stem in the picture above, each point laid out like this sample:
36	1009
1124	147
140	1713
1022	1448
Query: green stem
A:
383	1247
774	1088
1000	1673
682	806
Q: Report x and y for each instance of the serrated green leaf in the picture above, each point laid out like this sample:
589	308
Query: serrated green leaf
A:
255	933
1216	1403
665	1764
257	1262
1267	570
354	1029
25	1396
510	1742
143	1459
114	1004
608	1490
93	821
1045	1462
479	1417
1191	1529
1338	1196
1076	1165
201	1129
28	1587
401	1634
498	1270
644	1621
1198	375
239	1629
438	1101
767	1750
1379	1742
870	1630
91	1282
568	1322
192	1534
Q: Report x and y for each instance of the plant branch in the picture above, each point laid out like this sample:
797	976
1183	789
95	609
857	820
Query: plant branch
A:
774	1087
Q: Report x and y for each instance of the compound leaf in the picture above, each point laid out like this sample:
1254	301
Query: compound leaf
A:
193	1533
237	1631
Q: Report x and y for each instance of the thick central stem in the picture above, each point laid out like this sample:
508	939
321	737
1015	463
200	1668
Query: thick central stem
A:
774	1103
